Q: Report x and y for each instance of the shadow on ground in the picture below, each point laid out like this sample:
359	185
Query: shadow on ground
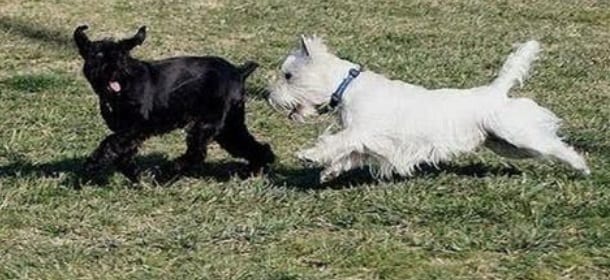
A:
55	38
153	164
307	178
222	171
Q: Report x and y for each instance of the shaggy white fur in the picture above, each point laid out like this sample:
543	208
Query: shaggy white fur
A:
394	126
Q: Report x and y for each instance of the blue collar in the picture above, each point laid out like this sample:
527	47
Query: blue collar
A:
335	99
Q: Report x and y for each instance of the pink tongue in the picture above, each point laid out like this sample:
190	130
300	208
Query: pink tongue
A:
115	86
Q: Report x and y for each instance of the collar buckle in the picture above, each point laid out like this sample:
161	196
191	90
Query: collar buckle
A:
335	99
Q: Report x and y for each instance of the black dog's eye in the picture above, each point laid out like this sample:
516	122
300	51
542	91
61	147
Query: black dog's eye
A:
99	54
287	76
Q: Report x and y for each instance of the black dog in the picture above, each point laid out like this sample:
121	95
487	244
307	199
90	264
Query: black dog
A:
140	99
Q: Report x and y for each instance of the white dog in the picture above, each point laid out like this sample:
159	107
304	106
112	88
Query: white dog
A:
394	127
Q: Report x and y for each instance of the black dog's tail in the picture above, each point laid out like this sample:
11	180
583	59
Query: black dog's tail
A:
247	68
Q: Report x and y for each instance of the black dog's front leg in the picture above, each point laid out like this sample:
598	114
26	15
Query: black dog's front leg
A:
116	149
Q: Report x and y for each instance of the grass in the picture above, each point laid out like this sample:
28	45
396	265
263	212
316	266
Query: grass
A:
475	219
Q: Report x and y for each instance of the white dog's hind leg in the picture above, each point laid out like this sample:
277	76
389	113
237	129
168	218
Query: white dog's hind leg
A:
565	153
530	131
551	147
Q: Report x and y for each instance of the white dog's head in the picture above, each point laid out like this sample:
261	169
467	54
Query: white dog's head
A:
309	75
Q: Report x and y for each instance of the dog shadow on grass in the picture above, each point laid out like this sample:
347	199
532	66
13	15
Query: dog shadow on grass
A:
155	167
308	178
23	168
57	38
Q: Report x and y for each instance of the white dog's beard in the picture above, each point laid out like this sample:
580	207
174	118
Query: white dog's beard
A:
296	115
294	102
287	106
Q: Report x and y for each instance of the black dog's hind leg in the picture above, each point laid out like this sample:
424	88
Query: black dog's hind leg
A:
237	140
197	139
116	149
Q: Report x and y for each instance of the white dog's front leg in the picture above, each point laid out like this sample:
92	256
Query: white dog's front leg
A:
327	149
307	155
340	165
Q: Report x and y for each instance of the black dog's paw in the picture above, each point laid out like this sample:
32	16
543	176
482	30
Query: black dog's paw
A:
268	156
93	173
132	173
170	172
154	172
181	165
256	170
91	168
261	164
162	174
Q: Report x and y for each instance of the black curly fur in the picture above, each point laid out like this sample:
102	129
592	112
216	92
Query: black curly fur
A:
205	95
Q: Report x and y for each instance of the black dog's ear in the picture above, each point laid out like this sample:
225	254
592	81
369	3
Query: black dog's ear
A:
136	40
81	40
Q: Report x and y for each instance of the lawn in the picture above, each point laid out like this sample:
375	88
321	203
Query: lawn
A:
480	217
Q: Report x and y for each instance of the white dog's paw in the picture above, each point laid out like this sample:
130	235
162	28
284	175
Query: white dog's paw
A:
307	156
328	175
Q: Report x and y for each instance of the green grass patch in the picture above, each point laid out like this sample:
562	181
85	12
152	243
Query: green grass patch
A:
477	218
36	83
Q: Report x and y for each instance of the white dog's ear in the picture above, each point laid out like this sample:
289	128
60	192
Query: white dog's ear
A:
304	45
312	46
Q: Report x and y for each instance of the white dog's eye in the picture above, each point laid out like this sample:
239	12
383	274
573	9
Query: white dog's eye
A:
287	76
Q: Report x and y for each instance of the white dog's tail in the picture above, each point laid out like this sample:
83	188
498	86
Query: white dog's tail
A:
516	67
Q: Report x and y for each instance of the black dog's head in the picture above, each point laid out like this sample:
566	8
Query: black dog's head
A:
106	60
